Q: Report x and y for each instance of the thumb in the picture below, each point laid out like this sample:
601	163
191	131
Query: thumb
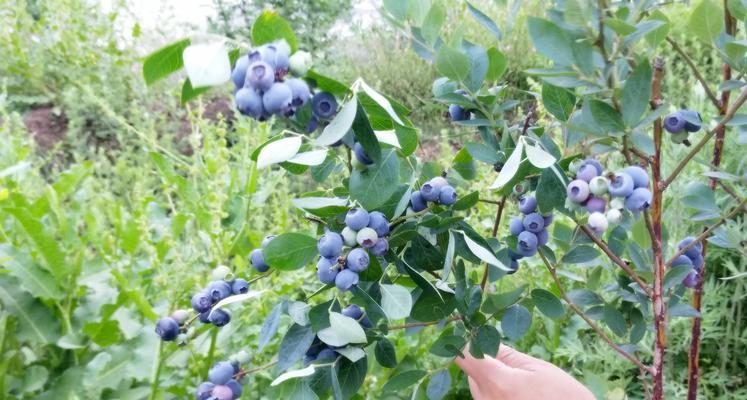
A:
516	359
485	369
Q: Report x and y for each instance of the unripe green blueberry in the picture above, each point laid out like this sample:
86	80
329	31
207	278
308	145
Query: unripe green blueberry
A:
614	216
617	203
598	222
300	63
359	166
349	237
222	273
598	185
574	166
520	188
367	237
242	357
180	316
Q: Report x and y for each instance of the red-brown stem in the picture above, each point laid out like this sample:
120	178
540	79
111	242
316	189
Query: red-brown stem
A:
694	354
496	224
660	316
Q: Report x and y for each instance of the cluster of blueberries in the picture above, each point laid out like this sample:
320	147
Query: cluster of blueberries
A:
628	190
322	352
681	123
692	257
257	259
530	230
223	382
436	190
263	89
364	232
457	112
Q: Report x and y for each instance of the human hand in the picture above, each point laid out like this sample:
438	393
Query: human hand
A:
516	376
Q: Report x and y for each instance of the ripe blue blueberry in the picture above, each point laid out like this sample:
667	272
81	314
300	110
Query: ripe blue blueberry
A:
220	373
349	237
326	355
586	172
516	226
238	75
527	204
639	175
697	263
378	222
514	267
277	99
548	219
693	121
204	317
429	191
300	91
222	392
527	244
346	279
447	196
357	219
514	255
326	270
542	237
218	290
312	124
682	260
239	286
167	328
249	103
534	222
219	317
596	164
352	311
367	237
282	55
235	387
204	390
324	105
357	260
360	154
330	245
267	239
639	200
674	122
202	302
457	113
691	280
365	322
258	260
693	251
380	248
595	204
621	185
260	76
417	202
438	181
578	191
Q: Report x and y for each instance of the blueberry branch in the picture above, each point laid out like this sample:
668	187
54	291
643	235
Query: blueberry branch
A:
427	323
496	224
244	373
404	218
698	75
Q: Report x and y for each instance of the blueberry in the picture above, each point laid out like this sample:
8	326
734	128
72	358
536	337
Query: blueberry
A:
380	248
578	191
222	392
621	185
242	357
367	237
417	202
357	219
330	245
534	222
300	91
326	270
299	63
267	239
682	260
352	311
378	222
438	181
639	200
514	255
514	267
167	328
457	113
691	280
357	260
239	286
220	373
312	124
614	216
235	387
527	204
238	75
260	76
692	252
575	165
346	279
360	154
527	245
218	290
219	317
596	204
598	185
542	237
617	203
598	222
693	121
204	317
326	355
249	103
324	105
365	322
282	54
698	263
447	196
221	272
516	226
204	390
639	175
596	164
277	99
675	122
548	219
180	316
201	302
258	260
349	237
586	172
429	192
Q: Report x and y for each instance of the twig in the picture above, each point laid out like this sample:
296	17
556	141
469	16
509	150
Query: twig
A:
316	220
417	324
242	373
496	224
594	326
404	218
698	75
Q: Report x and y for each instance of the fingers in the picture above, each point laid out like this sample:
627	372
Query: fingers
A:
474	388
486	369
517	359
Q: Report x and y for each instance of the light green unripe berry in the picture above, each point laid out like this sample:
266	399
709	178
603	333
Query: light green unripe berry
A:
367	237
349	237
358	165
242	357
574	166
180	316
300	63
222	272
598	185
617	203
614	216
597	222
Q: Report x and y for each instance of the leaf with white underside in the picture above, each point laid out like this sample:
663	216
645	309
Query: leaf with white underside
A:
299	312
449	259
342	330
510	167
313	203
340	125
352	353
299	373
388	137
235	299
396	301
539	157
315	157
483	253
381	101
444	286
207	64
278	151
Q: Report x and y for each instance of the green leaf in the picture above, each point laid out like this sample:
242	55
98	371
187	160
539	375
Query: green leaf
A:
485	21
550	41
340	125
615	320
350	376
547	303
499	301
385	353
550	191
580	254
36	324
676	275
558	101
658	35
515	322
606	117
432	23
486	341
439	385
46	244
452	64
584	297
403	380
296	341
497	64
396	301
636	94
270	26
32	278
104	333
510	168
164	61
373	186
464	164
342	330
706	20
270	326
290	251
189	93
448	345
700	197
478	68
327	84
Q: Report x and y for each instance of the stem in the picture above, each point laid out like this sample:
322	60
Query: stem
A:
404	218
496	224
553	271
211	351
428	323
698	75
156	371
316	220
244	373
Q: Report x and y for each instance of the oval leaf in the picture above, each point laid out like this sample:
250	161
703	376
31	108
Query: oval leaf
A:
207	64
381	101
278	151
483	253
313	203
510	167
340	125
290	251
539	157
235	299
312	158
342	331
396	301
299	373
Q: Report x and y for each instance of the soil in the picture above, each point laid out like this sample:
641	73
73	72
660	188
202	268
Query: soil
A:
46	125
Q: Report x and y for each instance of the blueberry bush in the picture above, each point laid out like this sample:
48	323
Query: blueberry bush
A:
370	283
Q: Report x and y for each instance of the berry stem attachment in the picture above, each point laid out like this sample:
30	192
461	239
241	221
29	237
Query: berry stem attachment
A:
404	218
